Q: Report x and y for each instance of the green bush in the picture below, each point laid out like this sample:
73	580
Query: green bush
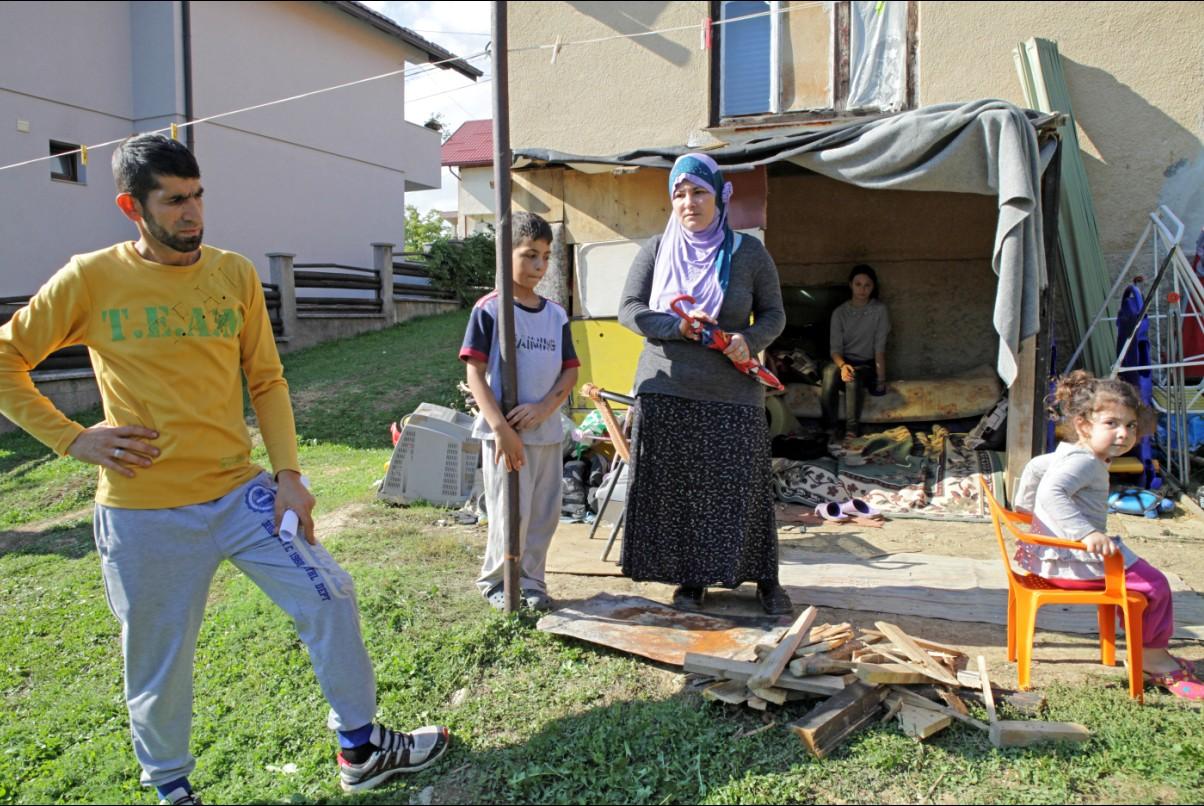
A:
466	268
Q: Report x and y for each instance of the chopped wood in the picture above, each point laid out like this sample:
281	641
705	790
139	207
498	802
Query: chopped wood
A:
923	642
822	646
920	723
827	631
878	674
819	664
953	701
845	651
732	692
913	651
1029	703
757	704
911	698
969	679
988	697
826	726
779	696
771	667
1022	733
893	704
870	656
743	672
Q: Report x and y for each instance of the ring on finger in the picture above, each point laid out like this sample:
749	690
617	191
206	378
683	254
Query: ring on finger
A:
117	453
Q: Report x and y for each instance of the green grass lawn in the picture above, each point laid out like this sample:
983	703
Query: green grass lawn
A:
536	719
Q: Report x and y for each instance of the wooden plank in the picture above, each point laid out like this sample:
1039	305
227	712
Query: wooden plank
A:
911	698
615	207
539	191
757	704
743	671
988	697
1022	403
822	646
881	674
824	727
731	692
771	667
920	723
909	647
780	696
969	679
921	642
1023	733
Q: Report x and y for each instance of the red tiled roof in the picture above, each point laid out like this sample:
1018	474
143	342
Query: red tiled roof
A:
472	144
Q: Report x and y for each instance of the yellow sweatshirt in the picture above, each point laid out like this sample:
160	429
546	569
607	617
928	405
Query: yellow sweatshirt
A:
167	343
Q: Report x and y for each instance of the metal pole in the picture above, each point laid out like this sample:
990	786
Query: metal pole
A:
505	285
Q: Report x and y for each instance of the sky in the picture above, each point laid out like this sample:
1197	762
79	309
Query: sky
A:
461	27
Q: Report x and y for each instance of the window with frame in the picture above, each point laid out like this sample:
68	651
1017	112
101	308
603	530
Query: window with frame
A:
809	59
66	165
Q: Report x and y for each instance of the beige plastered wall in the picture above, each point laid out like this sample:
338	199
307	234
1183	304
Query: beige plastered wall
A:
1136	77
611	96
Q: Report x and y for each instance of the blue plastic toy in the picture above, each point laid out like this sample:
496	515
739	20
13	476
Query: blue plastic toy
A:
1133	501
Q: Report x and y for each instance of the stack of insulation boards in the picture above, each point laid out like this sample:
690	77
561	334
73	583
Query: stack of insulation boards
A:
865	675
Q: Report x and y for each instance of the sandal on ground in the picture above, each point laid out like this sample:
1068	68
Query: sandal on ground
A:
689	598
1182	683
855	507
774	600
496	596
831	511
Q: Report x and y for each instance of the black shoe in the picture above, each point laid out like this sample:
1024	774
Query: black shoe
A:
688	598
774	600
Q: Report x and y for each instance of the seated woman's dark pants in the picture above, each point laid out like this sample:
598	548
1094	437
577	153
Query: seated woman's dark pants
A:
863	378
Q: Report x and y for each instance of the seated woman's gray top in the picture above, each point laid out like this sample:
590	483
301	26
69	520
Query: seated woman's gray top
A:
671	364
857	333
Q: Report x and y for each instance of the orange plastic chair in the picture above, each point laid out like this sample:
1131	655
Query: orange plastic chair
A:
1027	593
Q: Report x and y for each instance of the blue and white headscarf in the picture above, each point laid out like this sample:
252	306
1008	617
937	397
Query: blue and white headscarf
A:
695	263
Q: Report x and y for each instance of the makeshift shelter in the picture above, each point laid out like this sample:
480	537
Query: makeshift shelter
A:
956	198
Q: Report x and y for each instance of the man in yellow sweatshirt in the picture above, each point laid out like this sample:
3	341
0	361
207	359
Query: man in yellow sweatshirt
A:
169	324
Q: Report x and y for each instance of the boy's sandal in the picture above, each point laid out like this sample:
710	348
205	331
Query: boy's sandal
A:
497	597
1183	684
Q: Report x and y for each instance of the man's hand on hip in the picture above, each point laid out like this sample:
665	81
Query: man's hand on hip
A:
119	448
292	494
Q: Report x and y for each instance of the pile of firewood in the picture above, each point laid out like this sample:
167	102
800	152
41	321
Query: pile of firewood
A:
867	675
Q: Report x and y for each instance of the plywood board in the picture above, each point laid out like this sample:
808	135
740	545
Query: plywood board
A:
540	192
615	207
654	630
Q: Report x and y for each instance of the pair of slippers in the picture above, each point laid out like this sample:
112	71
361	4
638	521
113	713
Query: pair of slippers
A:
854	509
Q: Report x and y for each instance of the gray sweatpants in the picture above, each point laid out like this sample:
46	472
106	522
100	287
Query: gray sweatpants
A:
539	496
157	566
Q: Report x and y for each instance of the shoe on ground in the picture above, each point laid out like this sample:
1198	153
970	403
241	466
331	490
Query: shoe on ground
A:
774	600
395	753
689	598
497	597
536	600
181	797
1182	683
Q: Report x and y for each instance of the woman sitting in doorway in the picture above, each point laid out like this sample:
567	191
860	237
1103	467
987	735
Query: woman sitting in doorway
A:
858	346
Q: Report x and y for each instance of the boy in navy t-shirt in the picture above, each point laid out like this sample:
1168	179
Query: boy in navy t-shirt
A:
528	438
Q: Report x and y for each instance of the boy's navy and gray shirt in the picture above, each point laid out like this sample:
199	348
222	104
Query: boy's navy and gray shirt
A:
543	349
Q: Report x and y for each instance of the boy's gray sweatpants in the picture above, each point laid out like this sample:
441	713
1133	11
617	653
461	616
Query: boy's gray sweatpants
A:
157	565
539	493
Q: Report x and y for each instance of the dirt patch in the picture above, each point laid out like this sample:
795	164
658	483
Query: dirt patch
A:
1171	542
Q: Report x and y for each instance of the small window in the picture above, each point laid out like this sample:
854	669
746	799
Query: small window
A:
66	166
815	58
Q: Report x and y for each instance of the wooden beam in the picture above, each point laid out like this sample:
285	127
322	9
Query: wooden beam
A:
909	647
922	642
729	691
1022	405
826	726
1023	733
988	697
769	669
819	664
822	685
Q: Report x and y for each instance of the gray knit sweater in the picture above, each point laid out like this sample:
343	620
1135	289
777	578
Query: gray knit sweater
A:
670	364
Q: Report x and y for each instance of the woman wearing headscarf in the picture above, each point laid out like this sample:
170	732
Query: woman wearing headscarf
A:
700	504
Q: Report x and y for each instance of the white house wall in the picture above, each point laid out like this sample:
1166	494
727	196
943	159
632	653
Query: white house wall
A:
323	177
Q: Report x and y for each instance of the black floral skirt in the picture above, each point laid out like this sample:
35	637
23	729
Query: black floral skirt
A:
700	501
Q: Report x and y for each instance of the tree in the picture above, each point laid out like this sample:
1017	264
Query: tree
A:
466	268
423	230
